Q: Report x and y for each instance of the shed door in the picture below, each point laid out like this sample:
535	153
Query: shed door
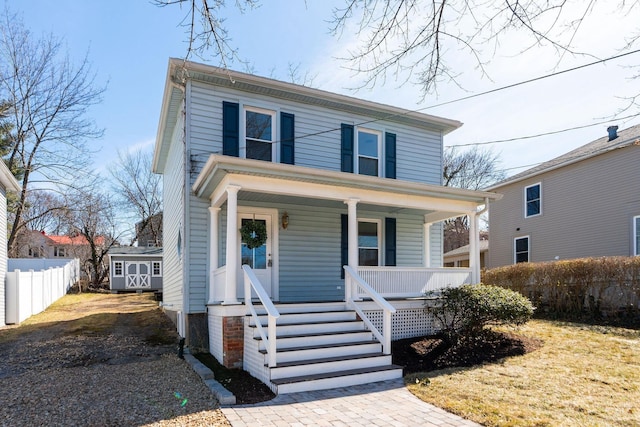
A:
138	274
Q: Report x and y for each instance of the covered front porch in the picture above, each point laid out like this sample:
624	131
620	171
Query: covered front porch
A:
322	226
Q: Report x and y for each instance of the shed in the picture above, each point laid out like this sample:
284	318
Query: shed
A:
135	269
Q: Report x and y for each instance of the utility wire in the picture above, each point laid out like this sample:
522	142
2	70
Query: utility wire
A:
546	76
498	141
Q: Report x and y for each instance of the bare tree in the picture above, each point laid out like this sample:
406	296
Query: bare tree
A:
49	99
139	191
472	169
206	33
92	215
410	39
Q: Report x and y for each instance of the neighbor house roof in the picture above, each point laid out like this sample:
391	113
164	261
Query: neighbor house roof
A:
464	250
625	138
77	240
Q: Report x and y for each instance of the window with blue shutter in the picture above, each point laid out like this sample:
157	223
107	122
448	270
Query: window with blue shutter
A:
346	137
390	242
287	138
230	129
390	155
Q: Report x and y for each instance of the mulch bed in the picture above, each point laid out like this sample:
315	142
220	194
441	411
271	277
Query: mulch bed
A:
414	354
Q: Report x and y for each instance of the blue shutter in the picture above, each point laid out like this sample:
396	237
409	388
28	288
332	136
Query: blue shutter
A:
230	129
287	136
390	242
346	136
344	243
390	155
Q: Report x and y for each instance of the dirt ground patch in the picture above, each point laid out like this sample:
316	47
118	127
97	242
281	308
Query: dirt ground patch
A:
100	359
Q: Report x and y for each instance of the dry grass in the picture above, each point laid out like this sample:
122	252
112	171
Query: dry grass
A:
88	313
582	376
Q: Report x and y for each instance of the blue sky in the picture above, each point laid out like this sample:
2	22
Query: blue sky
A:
129	43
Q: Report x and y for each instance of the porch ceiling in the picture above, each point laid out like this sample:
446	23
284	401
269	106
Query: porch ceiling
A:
272	181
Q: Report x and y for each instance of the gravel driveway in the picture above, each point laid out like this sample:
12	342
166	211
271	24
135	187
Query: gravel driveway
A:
100	360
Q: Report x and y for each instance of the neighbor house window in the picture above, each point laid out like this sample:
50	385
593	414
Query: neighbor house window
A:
35	252
636	235
369	243
521	249
59	252
532	200
156	268
259	134
118	269
369	146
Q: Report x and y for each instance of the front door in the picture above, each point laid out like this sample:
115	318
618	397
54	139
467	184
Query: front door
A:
260	259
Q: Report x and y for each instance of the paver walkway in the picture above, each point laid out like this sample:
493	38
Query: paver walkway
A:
386	403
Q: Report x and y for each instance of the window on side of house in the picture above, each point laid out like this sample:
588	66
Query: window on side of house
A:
521	249
35	252
532	200
260	128
369	150
156	268
636	235
369	243
118	269
59	252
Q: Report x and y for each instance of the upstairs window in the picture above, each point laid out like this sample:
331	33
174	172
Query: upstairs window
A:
521	249
369	149
259	134
532	200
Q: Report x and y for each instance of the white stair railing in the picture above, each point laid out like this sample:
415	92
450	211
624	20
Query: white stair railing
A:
354	285
252	282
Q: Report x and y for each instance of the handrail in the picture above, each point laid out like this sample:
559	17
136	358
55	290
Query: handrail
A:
251	281
352	276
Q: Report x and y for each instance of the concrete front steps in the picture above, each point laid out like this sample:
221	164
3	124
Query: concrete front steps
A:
323	346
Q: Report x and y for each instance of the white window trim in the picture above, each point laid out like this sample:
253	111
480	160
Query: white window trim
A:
528	237
121	269
378	223
636	249
153	269
539	198
275	141
380	158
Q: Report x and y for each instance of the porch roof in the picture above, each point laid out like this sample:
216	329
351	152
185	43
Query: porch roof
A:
221	172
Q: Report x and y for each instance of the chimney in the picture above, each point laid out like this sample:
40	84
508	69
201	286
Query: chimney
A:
613	132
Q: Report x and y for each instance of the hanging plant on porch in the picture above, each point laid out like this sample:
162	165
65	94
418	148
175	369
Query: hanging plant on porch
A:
254	234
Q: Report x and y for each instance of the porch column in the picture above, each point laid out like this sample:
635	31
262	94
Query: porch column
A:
427	244
474	247
230	291
353	233
214	214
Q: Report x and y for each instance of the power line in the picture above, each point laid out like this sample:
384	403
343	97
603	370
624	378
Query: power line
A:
555	132
407	112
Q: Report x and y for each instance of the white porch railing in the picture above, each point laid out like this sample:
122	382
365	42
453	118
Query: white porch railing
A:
355	285
251	281
411	282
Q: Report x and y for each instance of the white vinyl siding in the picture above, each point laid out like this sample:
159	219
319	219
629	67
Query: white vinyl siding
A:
3	252
173	214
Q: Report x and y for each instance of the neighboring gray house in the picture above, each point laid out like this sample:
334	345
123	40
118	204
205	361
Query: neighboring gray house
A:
323	204
585	203
7	183
149	232
135	269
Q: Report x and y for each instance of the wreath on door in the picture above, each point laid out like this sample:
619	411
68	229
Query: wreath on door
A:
254	234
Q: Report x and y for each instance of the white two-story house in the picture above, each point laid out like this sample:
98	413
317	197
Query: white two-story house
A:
326	208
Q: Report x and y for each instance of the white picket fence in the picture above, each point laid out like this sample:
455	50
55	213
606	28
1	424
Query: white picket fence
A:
30	291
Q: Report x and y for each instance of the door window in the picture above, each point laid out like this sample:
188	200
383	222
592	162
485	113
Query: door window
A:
255	258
